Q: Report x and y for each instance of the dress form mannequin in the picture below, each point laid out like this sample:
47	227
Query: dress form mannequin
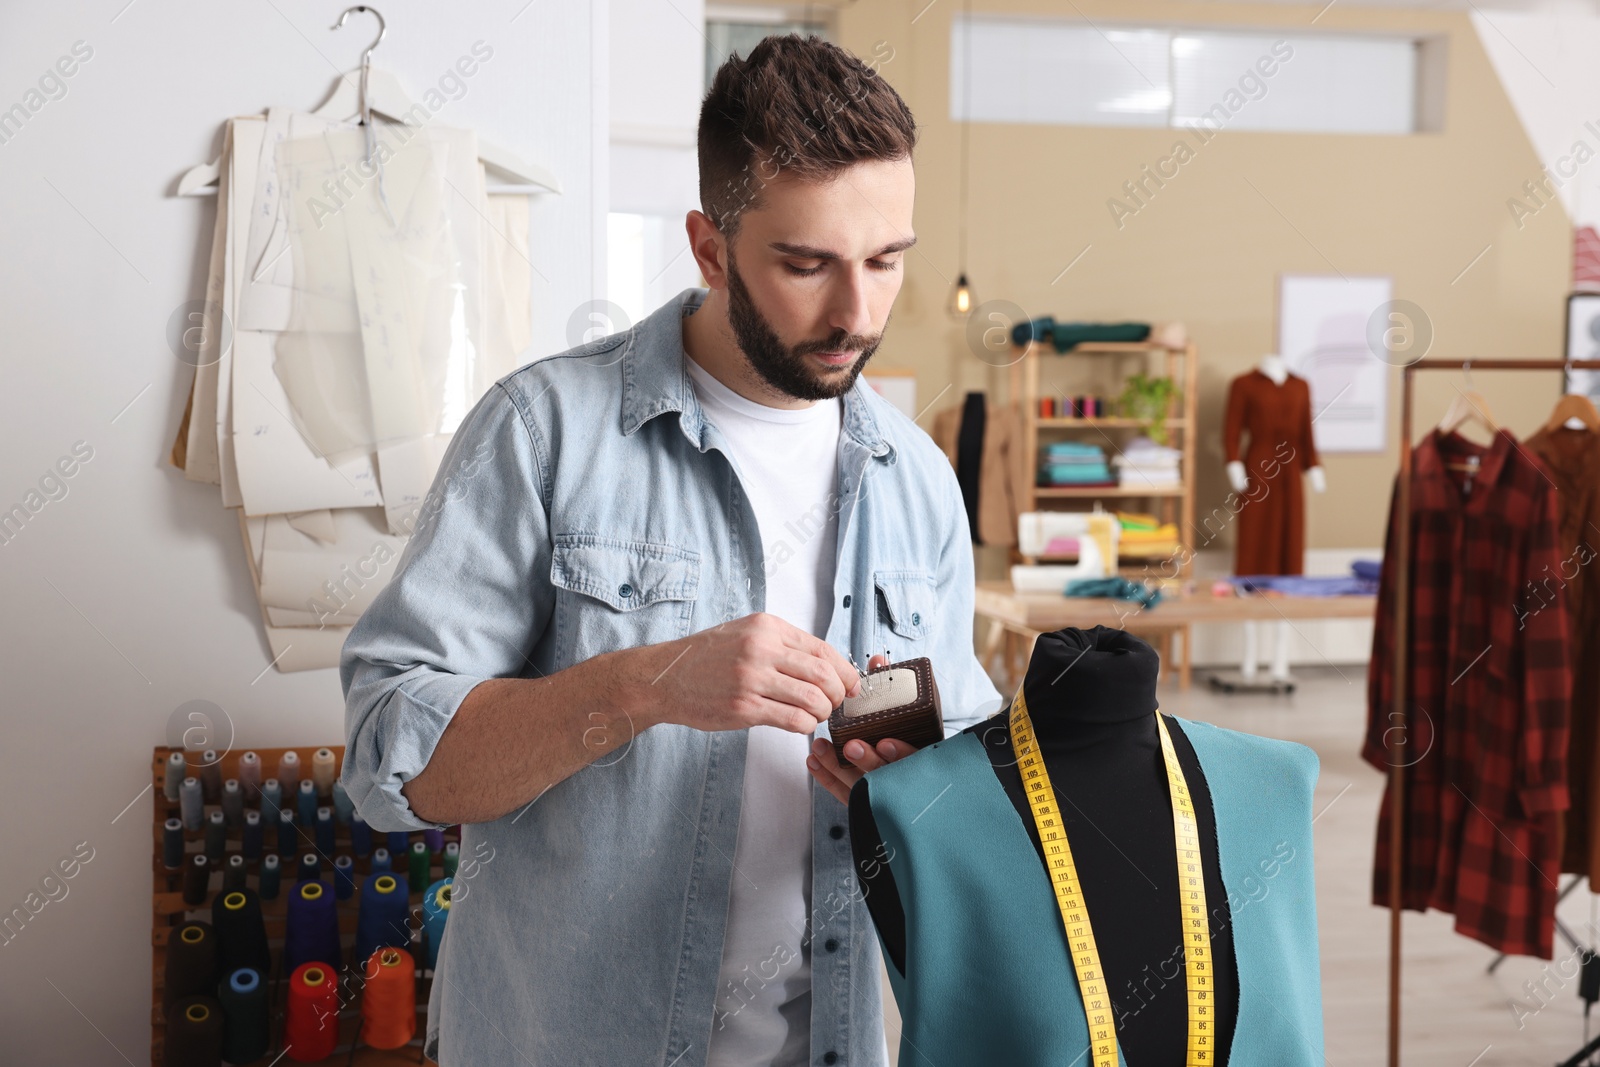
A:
1091	697
1274	369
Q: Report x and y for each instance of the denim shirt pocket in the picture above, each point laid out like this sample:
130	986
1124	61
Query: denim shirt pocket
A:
906	601
613	593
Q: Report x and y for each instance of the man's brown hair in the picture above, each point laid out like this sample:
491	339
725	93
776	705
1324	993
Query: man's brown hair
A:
795	105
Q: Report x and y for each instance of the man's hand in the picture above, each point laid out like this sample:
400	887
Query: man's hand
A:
824	765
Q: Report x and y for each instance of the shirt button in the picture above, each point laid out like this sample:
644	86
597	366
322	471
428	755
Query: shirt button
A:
847	600
836	832
832	944
625	590
916	619
830	1057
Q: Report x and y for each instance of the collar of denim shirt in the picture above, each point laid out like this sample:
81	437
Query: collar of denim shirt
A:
656	380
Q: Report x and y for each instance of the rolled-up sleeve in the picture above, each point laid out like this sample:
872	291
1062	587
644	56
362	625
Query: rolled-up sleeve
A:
469	598
966	693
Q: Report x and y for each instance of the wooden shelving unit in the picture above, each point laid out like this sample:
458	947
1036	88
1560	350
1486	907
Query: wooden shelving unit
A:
1100	368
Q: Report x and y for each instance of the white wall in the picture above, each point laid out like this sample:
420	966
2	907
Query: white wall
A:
129	596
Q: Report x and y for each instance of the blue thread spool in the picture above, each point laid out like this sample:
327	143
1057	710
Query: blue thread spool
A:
421	863
307	796
399	842
271	798
434	839
250	776
380	861
172	844
344	877
216	837
233	873
190	804
271	876
232	802
325	831
286	834
343	806
245	1032
452	858
310	869
312	930
360	836
250	841
435	910
385	911
176	772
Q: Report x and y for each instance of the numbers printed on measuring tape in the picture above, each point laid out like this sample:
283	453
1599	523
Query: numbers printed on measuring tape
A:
1075	917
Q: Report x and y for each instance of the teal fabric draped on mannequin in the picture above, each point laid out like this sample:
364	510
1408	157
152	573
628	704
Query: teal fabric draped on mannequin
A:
988	979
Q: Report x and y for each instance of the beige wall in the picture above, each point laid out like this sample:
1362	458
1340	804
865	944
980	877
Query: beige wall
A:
1208	247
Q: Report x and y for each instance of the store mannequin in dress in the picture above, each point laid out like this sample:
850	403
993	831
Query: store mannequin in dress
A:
1274	408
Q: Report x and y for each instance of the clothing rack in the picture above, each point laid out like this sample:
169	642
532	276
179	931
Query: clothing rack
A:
1401	618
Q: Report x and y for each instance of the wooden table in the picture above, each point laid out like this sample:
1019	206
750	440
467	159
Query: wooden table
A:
1016	619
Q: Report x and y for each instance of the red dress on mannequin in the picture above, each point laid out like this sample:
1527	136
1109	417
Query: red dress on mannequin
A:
1271	537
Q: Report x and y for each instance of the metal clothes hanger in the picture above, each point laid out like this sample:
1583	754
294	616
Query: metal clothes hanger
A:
1573	410
1468	405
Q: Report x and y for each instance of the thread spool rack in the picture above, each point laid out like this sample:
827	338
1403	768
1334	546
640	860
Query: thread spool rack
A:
169	910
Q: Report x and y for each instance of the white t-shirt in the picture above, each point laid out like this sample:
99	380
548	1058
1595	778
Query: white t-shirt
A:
788	462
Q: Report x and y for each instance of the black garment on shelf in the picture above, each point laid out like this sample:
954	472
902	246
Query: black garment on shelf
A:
969	457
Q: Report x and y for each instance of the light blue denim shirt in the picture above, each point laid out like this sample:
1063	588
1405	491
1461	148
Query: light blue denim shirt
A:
586	505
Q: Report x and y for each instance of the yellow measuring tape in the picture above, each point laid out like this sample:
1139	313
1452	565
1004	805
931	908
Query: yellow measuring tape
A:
1075	916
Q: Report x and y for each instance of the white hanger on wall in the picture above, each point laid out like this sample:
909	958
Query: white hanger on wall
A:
374	91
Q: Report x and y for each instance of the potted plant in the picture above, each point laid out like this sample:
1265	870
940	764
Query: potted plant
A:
1149	397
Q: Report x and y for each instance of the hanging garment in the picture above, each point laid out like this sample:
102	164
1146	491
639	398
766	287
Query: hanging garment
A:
969	457
1484	751
1271	537
1002	474
1573	459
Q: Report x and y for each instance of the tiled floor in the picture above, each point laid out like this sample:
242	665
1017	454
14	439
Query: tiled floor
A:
1454	1014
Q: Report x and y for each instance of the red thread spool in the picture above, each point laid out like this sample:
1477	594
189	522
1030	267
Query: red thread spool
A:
312	1027
389	1000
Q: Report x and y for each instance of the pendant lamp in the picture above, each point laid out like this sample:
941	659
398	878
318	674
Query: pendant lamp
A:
962	298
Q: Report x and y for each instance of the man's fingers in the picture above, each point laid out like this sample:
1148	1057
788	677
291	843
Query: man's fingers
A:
815	671
862	755
797	638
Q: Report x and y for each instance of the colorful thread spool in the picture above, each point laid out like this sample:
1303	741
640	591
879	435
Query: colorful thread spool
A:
241	932
389	999
380	861
233	872
271	877
245	1029
232	802
452	858
343	806
311	932
360	836
191	806
196	880
398	842
435	912
289	770
286	835
250	839
211	776
344	877
172	844
325	831
306	796
216	837
176	772
311	1027
310	868
324	769
384	915
194	1033
191	962
271	797
250	776
434	839
421	863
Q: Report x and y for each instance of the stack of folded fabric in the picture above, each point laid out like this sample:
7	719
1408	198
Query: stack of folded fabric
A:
1069	463
1144	535
1147	465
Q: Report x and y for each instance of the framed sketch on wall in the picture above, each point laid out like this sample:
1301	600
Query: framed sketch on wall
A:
1324	325
1583	342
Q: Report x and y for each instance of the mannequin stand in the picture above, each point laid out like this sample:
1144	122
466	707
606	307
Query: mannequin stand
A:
1246	678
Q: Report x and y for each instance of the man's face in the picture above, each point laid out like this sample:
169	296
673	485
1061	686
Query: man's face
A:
813	274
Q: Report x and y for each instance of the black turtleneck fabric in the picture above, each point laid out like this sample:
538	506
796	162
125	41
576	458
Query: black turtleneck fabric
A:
1091	698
